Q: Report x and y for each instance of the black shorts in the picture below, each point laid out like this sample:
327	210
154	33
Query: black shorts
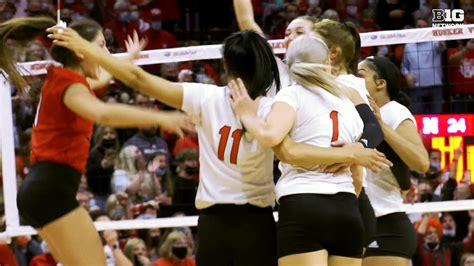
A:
395	236
236	235
47	193
368	218
312	222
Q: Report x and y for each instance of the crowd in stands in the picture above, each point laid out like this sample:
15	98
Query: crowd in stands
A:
150	173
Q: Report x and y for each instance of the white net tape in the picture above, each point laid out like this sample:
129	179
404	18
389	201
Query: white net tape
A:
189	54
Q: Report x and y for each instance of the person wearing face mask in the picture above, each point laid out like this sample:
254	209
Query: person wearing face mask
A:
433	249
185	186
175	251
157	36
100	165
147	141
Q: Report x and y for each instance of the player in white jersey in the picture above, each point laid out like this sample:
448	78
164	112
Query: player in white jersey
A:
319	222
236	190
395	239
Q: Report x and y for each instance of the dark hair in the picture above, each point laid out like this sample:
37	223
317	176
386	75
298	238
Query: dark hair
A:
248	56
87	29
387	70
26	28
342	35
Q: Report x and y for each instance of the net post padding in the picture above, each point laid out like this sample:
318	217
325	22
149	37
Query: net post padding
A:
8	155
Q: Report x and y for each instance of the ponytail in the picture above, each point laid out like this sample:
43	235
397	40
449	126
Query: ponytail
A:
19	29
402	98
313	76
352	64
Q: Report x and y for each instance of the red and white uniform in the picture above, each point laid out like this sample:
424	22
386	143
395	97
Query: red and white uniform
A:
60	135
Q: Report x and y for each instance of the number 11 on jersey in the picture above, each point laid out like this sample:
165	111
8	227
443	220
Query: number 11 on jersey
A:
236	136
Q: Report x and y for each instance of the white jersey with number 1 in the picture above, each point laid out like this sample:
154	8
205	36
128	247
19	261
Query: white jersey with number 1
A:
234	167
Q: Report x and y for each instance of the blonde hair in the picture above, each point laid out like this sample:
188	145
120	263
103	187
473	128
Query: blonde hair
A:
130	246
306	57
167	246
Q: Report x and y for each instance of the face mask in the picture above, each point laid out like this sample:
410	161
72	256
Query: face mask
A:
160	171
449	232
383	50
180	252
432	245
124	16
134	15
155	241
89	6
436	165
191	170
426	197
351	10
155	25
108	143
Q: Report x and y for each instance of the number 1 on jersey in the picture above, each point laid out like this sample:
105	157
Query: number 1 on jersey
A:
335	125
236	136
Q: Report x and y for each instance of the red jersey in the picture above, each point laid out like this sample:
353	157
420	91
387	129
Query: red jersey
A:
60	135
461	75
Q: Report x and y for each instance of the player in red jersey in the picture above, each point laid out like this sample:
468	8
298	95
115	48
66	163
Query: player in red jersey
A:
60	141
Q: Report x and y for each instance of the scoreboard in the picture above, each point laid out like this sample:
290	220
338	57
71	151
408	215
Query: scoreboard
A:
447	133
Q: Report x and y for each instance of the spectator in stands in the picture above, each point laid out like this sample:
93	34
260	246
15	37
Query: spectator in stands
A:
35	51
461	77
185	183
158	38
118	207
113	254
25	248
119	26
395	14
425	192
190	141
170	71
331	14
101	163
432	250
44	259
175	251
467	259
152	239
83	197
135	251
146	139
130	170
186	75
421	66
162	182
7	10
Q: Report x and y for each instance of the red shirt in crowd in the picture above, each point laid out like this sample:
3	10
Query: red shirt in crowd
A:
60	135
165	262
160	39
461	75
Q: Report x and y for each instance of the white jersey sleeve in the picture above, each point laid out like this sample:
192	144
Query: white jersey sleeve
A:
193	96
288	95
355	83
382	187
393	114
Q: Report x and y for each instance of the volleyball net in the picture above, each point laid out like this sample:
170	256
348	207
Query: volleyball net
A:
461	135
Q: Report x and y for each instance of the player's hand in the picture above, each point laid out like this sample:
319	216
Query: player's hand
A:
69	38
375	108
177	122
368	158
240	100
135	45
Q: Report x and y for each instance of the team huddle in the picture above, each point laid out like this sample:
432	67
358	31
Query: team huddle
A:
340	128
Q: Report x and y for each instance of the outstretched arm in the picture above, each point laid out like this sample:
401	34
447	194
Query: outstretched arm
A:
82	102
170	93
245	18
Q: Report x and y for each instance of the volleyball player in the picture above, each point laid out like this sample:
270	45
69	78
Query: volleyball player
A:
60	141
395	239
344	42
319	222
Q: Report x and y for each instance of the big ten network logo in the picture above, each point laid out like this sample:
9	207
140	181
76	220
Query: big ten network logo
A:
447	17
